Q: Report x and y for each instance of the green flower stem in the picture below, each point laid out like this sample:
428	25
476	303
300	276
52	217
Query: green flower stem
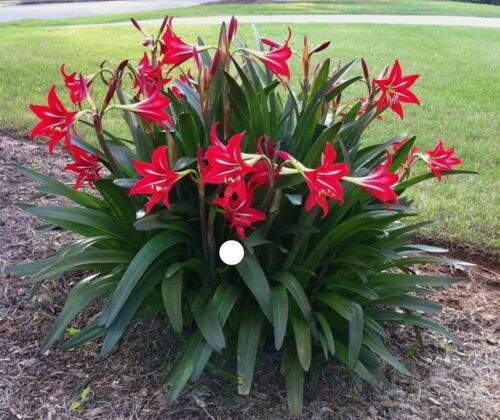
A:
115	168
204	229
126	115
211	242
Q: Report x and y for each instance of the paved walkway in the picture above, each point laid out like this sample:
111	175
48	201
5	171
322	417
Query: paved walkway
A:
375	19
10	11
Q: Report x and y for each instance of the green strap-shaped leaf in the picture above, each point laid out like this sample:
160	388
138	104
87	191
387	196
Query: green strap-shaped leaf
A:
224	299
360	368
81	295
87	222
417	179
129	310
352	283
209	326
50	185
296	290
118	200
144	258
252	274
171	291
280	314
89	333
411	319
189	134
302	333
294	379
337	303
353	313
181	371
335	236
96	260
248	342
355	334
410	302
76	247
408	280
409	261
327	331
376	345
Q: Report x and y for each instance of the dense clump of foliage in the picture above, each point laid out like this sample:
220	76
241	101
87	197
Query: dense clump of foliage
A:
228	150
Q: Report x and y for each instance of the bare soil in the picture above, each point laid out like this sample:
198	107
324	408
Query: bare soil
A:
448	382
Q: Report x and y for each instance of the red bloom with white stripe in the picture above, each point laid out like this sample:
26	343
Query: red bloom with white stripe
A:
86	165
174	50
441	159
276	59
240	213
226	164
153	108
148	77
324	181
77	88
157	178
56	121
396	90
380	182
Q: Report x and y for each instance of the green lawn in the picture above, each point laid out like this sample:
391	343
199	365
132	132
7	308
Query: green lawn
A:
382	7
459	89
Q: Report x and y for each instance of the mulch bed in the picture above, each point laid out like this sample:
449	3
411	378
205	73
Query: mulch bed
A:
448	382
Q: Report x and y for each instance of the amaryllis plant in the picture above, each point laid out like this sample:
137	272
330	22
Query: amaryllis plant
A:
224	144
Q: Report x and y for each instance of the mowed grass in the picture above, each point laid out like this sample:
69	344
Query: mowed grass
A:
300	7
459	89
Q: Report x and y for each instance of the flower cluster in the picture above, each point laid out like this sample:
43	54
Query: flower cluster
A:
217	145
238	177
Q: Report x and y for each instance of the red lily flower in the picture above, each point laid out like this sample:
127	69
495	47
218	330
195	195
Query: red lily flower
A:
240	213
86	165
323	182
174	50
148	77
396	90
152	108
157	178
275	60
56	121
76	88
441	159
263	174
379	182
226	164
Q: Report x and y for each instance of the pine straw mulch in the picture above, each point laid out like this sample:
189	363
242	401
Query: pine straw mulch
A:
448	382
